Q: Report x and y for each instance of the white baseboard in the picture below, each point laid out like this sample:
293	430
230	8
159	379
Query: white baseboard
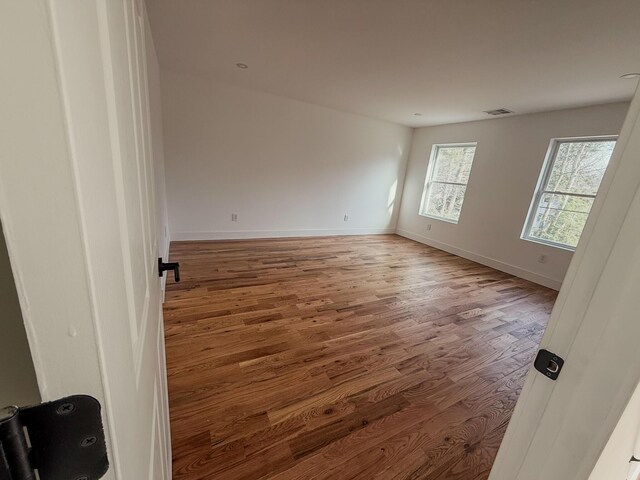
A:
245	234
489	262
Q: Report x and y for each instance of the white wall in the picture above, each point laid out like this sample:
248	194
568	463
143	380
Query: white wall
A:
505	171
287	168
18	384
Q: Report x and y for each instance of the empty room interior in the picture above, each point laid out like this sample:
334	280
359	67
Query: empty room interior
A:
366	210
373	205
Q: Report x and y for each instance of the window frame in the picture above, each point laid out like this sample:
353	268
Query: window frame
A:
543	180
431	168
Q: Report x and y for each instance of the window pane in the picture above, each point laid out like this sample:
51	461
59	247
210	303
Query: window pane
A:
560	218
453	164
579	166
445	201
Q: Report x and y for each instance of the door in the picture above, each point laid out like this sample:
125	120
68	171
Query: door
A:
78	202
559	429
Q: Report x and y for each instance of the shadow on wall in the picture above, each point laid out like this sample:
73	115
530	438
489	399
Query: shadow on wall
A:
18	385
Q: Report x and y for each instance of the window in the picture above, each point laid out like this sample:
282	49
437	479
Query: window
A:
446	182
567	187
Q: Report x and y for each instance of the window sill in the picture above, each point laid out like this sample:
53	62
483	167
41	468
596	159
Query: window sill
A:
561	246
442	219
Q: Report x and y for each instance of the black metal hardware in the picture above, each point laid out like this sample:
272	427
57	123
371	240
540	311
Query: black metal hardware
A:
548	364
62	440
163	267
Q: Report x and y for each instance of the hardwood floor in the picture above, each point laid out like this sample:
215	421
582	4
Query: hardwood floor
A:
369	357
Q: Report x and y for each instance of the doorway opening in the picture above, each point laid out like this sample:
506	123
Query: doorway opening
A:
17	373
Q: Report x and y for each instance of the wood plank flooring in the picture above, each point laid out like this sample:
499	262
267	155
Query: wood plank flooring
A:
368	357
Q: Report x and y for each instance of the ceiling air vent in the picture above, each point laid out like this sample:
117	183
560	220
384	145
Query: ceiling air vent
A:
499	111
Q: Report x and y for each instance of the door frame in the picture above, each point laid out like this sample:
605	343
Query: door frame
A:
57	197
539	421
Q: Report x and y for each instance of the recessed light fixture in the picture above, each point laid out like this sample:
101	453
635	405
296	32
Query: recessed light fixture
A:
242	65
628	76
418	114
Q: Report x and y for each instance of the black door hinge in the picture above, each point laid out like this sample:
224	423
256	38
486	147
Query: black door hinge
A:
548	364
61	440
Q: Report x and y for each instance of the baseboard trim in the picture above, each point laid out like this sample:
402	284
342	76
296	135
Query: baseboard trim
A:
246	234
489	262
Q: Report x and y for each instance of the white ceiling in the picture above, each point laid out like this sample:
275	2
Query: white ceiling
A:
448	59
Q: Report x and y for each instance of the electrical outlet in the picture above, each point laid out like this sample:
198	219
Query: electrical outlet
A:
428	226
346	217
542	258
234	217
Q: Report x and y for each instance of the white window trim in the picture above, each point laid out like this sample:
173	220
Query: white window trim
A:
547	166
428	182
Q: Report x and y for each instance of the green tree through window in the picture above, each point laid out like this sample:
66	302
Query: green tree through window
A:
446	183
569	186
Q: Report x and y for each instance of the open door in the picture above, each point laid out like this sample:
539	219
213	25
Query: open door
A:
78	204
559	428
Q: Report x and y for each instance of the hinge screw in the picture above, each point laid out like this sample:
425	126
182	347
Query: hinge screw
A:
87	442
65	409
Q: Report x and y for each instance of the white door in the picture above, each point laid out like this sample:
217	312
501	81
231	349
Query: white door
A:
560	428
78	205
